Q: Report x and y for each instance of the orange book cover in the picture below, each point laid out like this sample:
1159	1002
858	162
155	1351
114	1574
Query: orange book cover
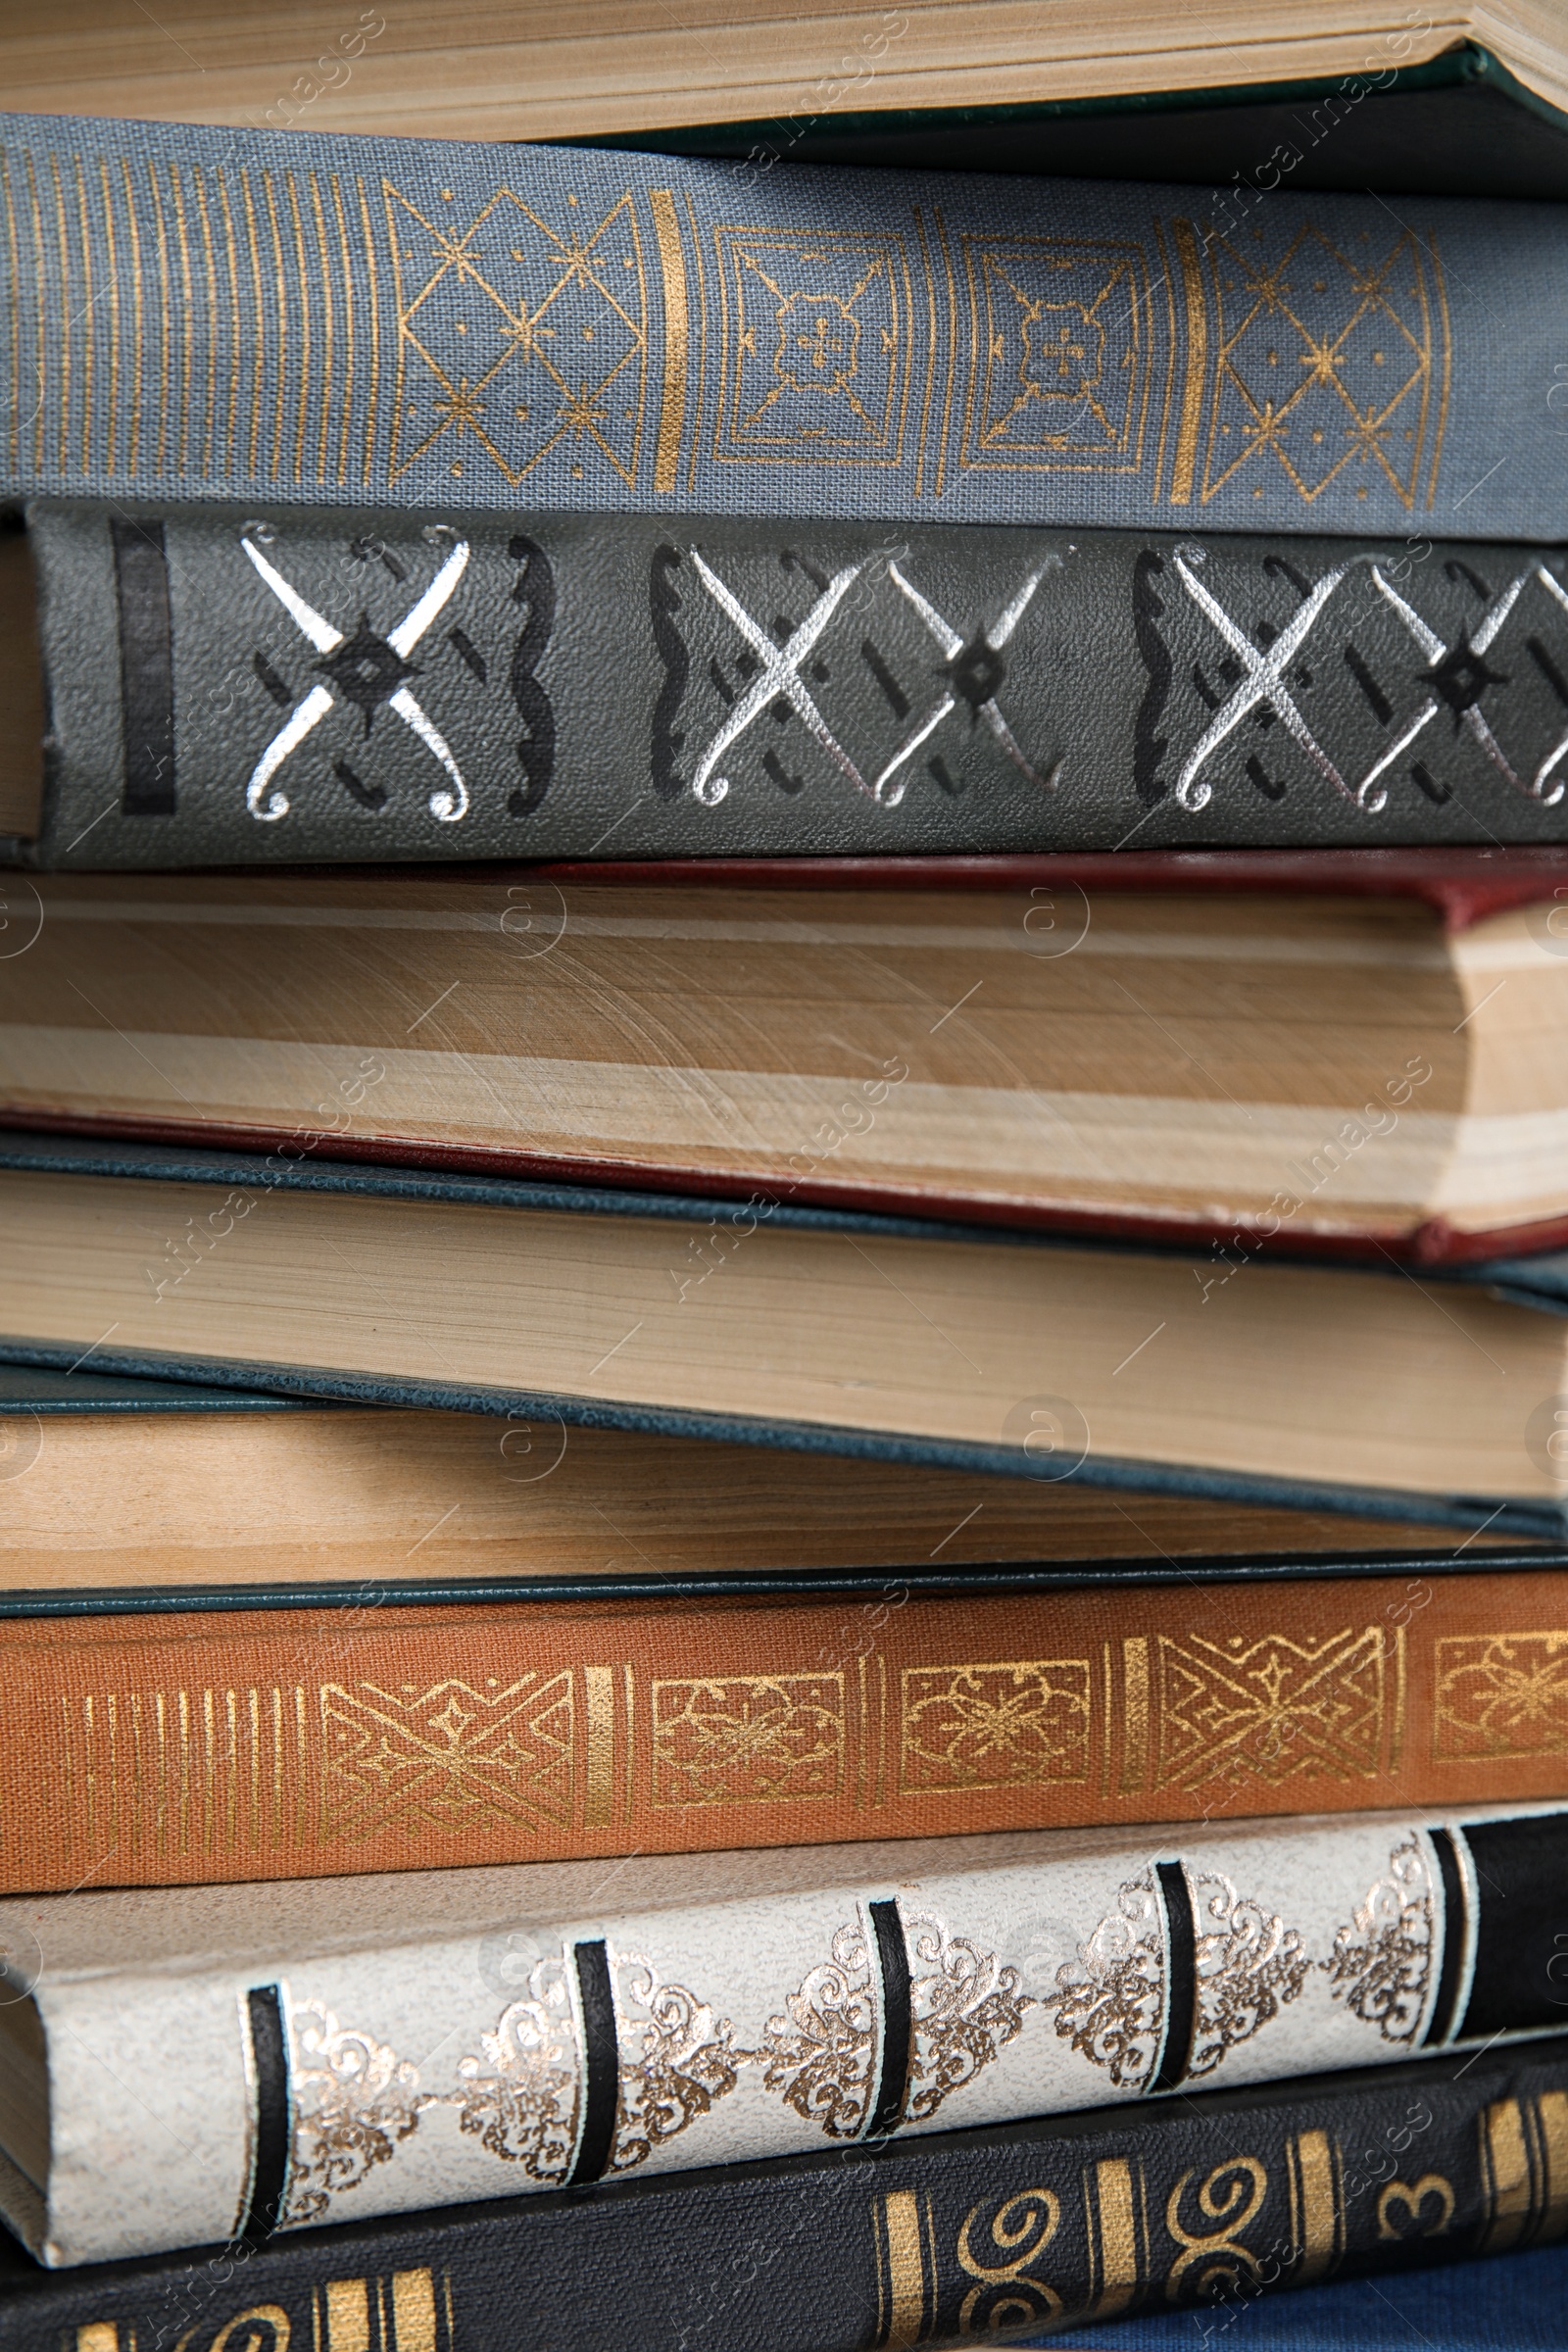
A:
200	1747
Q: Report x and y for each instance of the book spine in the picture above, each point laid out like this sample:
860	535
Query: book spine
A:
857	1993
659	1729
1211	2202
365	685
304	320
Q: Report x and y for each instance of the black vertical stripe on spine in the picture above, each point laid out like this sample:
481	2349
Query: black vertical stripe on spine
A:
146	667
1181	1975
898	2020
263	2008
1453	1937
601	2042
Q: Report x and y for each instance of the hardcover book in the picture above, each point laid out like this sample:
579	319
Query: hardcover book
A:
1255	1379
189	2066
1358	1054
283	318
626	67
136	1495
1212	2199
225	690
195	1747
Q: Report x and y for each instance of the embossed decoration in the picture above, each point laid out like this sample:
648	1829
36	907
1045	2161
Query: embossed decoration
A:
1018	1723
518	333
1249	1967
1058	368
685	2061
1008	2296
1329	362
966	2007
450	1758
1243	665
1381	1964
1410	2198
768	661
1501	1695
748	1738
1229	2200
1270	1709
815	332
353	2100
820	2052
521	2097
1110	2001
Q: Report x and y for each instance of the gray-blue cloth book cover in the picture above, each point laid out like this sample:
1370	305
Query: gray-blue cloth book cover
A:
204	312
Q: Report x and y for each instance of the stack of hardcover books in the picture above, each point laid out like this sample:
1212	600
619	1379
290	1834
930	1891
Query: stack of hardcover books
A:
784	1354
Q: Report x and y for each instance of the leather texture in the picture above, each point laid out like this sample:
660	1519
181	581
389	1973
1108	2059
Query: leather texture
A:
1107	2213
360	686
442	2045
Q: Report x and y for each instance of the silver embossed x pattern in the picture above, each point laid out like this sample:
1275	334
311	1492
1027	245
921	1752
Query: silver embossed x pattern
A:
1332	357
517	333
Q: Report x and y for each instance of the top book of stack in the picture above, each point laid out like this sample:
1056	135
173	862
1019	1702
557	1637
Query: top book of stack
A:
284	320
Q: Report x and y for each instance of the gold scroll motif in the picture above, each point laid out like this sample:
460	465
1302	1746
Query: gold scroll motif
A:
354	2101
748	1738
820	2052
817	357
1327	362
1381	1964
1109	2001
998	2262
1501	1695
517	333
1017	1723
404	2311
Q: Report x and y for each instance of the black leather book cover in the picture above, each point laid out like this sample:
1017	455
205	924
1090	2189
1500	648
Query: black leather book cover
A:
1010	2232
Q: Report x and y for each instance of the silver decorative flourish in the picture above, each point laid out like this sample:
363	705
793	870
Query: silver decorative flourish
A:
262	797
966	2007
989	642
685	2062
818	2053
1476	642
355	2099
779	675
1111	2000
1262	682
521	2097
1381	1964
1249	1967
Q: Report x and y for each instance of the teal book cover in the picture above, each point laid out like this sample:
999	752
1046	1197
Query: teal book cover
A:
283	320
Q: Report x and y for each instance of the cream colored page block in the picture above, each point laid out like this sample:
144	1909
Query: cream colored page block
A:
539	72
1025	1142
1369	1380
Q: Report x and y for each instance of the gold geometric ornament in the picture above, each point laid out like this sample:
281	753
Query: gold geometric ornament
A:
517	333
